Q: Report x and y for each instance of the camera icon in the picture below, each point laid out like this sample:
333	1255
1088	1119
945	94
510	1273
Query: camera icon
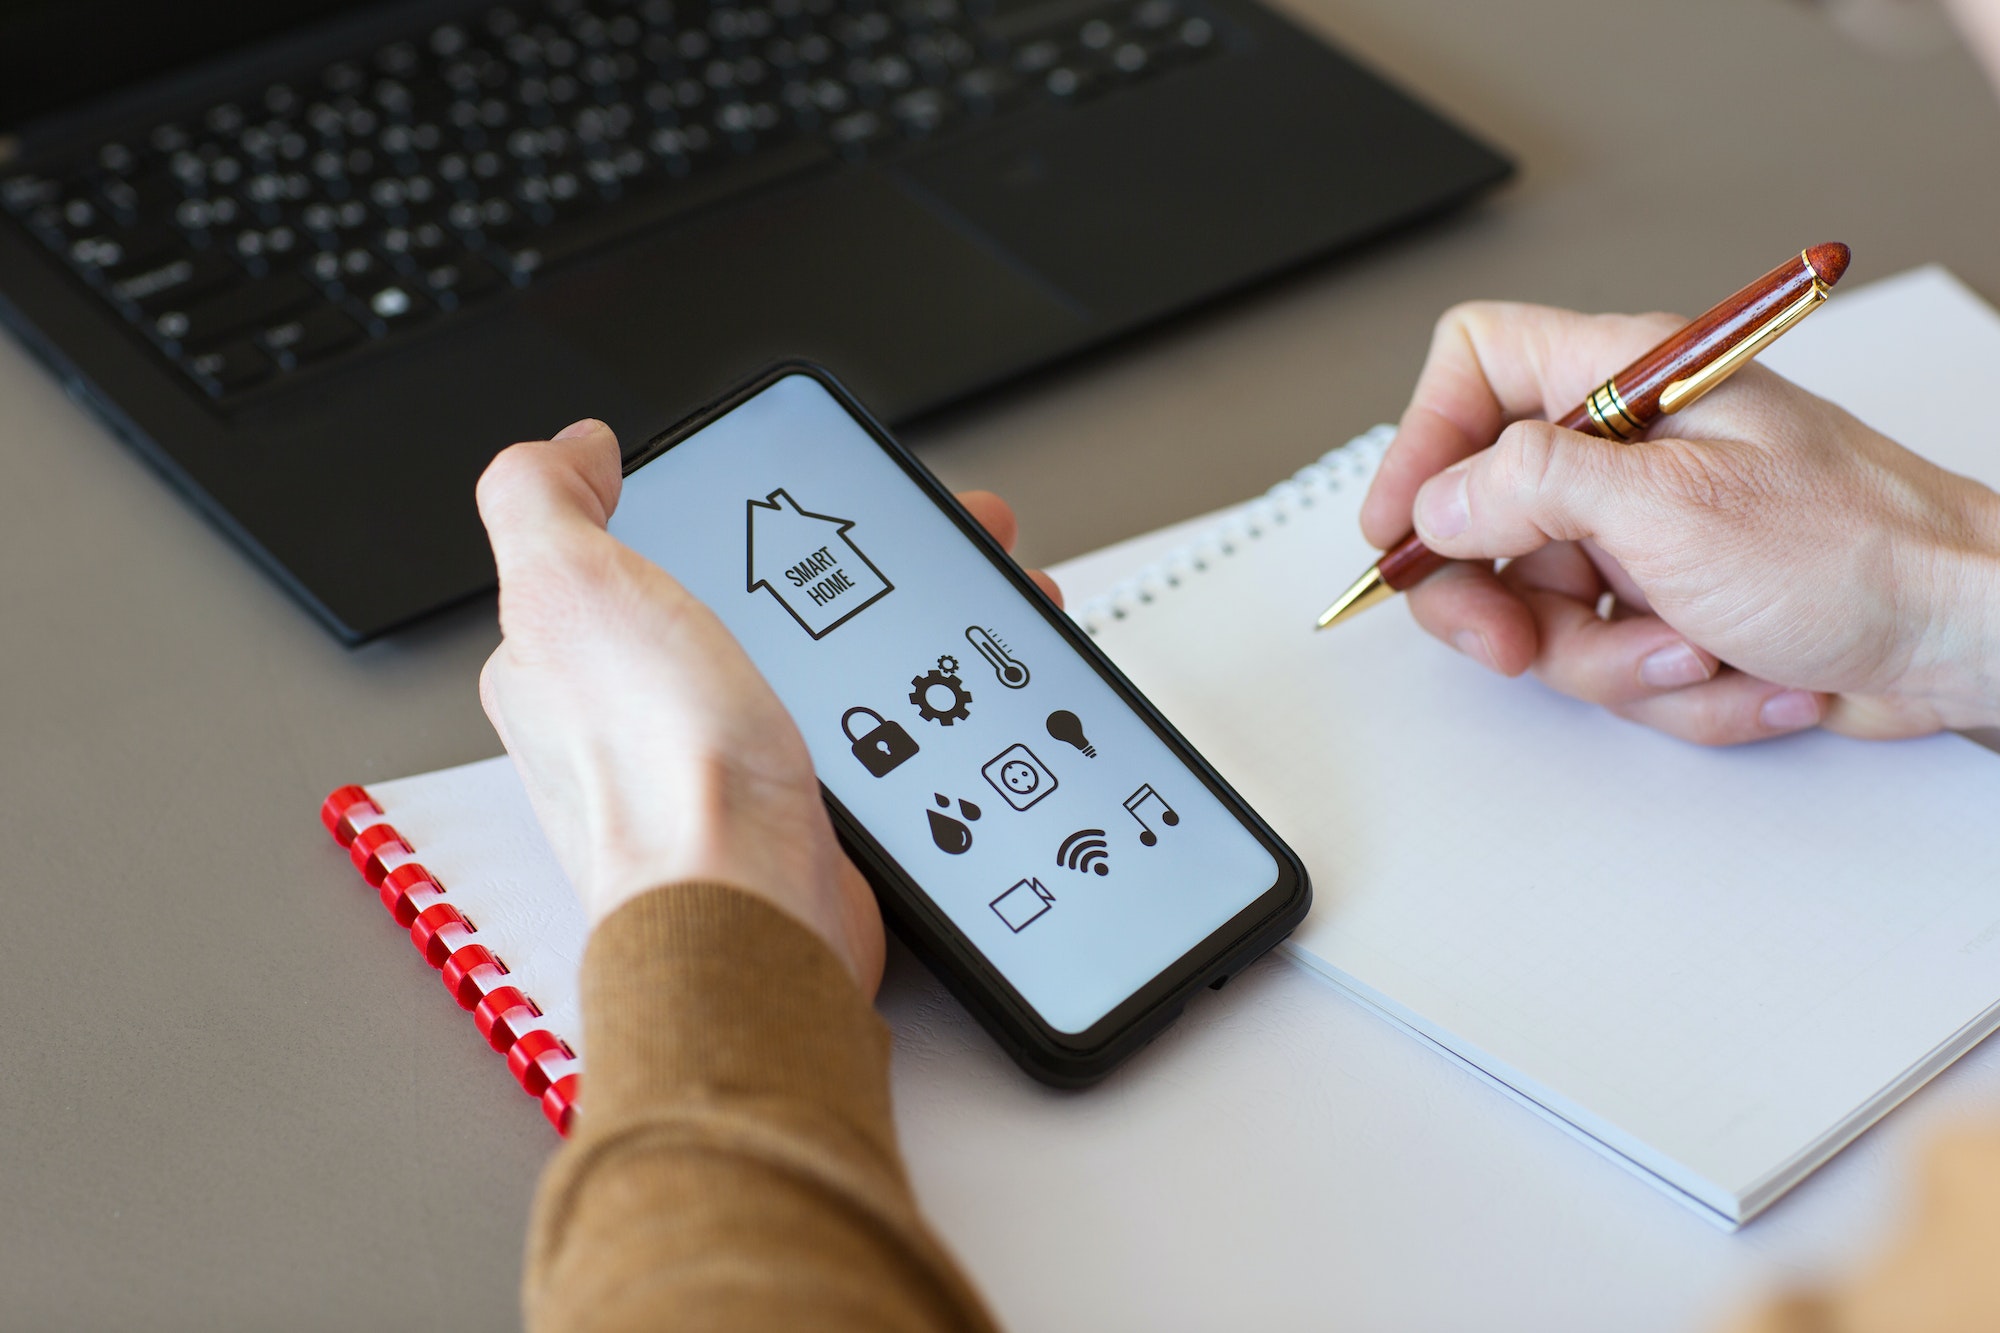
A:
1019	777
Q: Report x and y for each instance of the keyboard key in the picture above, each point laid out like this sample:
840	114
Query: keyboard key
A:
161	286
396	306
21	193
1039	56
858	130
988	90
1071	83
120	252
923	111
313	335
1131	59
252	304
462	280
228	369
353	269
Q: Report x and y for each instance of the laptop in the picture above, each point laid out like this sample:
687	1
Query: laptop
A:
318	261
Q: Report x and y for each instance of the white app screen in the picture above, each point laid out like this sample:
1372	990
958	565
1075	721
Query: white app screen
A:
1009	781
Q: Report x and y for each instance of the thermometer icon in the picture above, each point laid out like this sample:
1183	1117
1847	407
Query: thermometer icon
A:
1012	674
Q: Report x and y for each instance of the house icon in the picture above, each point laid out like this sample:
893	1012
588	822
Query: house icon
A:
808	562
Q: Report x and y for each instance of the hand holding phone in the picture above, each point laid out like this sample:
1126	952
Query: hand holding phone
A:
590	673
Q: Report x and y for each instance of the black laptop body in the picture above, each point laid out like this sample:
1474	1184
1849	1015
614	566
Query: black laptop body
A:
317	267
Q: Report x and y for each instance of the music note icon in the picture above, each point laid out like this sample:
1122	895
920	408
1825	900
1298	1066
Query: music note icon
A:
1135	805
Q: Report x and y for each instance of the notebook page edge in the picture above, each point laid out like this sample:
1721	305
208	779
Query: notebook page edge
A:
1781	1180
1725	1218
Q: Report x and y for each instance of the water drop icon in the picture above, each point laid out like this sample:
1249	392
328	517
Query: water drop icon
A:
951	836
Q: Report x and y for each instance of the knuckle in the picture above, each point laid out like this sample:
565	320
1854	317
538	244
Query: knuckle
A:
1660	323
502	478
1723	482
1456	317
1468	324
1477	317
1529	463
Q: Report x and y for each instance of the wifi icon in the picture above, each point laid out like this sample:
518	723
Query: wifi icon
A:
1084	851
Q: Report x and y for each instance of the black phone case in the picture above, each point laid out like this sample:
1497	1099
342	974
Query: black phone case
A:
1057	1058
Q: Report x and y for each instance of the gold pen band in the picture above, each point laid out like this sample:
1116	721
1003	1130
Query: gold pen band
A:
1614	418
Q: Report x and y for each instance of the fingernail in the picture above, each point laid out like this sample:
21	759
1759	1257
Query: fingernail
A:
1473	645
1442	507
1676	664
587	426
1789	711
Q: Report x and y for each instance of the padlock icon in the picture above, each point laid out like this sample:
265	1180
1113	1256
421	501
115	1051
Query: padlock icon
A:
881	749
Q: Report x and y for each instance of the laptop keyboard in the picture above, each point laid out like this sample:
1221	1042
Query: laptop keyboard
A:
320	216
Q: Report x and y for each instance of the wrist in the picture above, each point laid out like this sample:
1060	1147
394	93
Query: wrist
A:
1965	620
1987	675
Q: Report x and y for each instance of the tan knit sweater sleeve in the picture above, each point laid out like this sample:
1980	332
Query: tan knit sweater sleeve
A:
734	1166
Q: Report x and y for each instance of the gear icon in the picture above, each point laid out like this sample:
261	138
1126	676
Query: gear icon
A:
945	677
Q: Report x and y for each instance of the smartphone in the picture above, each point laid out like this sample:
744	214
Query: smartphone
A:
1033	827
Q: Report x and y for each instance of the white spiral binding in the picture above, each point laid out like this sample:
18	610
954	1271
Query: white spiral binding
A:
1350	465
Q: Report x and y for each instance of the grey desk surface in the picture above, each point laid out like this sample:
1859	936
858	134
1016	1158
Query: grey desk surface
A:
227	1096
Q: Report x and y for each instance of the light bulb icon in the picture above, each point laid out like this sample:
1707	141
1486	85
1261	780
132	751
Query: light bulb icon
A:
1067	727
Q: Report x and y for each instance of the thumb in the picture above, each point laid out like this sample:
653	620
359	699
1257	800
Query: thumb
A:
1538	484
535	496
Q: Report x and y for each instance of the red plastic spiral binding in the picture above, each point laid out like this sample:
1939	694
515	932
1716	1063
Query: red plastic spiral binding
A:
428	932
527	1059
504	1016
339	808
559	1102
406	891
368	848
509	1020
468	971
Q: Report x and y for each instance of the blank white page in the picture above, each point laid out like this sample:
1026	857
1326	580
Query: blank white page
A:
1718	965
473	829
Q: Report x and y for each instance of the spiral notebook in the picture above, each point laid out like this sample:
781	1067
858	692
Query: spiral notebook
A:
1716	967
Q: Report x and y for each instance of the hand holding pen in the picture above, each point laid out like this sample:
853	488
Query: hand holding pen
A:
1843	580
1674	374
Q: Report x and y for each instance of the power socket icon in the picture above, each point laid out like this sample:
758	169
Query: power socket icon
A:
1019	777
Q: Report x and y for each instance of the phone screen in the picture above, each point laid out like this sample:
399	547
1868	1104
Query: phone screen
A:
1042	814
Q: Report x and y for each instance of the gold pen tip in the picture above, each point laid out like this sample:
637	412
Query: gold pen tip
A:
1369	589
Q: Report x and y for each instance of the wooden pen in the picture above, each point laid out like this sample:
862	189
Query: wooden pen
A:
1664	380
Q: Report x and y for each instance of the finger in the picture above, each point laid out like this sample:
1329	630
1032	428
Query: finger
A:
997	517
994	514
1611	662
1732	709
535	493
1491	363
1538	483
1606	662
1467	607
1559	567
